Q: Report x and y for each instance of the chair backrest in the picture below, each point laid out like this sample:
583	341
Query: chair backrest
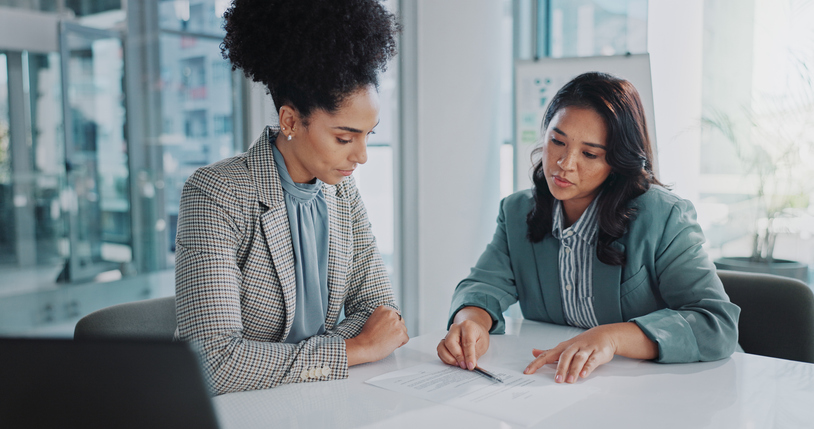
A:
152	319
777	314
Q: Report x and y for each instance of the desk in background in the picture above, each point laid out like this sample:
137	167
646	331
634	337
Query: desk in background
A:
744	391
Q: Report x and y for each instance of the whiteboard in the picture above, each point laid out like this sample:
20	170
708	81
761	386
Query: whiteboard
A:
536	82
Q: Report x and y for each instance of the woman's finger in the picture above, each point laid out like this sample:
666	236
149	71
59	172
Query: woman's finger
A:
537	352
453	345
536	364
404	335
543	357
590	366
577	363
564	364
469	339
445	355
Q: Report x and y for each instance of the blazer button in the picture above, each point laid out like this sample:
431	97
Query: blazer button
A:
326	371
304	374
311	372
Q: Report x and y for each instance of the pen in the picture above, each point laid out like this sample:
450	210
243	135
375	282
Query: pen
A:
488	374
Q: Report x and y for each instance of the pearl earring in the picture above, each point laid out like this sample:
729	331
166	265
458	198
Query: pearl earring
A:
289	137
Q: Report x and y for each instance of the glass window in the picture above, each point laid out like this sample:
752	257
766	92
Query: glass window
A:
758	134
200	17
47	143
586	28
196	105
95	7
7	245
42	5
67	211
223	125
96	152
33	229
78	8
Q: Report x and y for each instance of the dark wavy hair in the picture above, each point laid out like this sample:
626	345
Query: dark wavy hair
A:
310	54
629	153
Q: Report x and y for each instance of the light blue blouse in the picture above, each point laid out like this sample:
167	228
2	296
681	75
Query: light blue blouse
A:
308	220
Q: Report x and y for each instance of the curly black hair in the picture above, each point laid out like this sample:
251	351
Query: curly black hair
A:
310	54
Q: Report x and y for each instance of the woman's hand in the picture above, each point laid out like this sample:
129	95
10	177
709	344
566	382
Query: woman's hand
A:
467	339
581	355
383	332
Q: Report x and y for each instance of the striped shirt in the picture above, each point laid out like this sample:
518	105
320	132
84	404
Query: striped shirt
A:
577	247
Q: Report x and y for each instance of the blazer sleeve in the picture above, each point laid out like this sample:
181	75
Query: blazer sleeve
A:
368	285
212	227
699	323
491	282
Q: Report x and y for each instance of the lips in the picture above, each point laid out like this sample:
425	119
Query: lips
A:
346	172
559	181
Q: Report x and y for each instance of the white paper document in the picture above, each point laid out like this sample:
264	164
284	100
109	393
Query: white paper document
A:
523	399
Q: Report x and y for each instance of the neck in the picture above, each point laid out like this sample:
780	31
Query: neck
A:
573	209
295	169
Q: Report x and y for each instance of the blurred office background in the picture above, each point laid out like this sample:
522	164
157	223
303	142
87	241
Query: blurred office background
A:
107	106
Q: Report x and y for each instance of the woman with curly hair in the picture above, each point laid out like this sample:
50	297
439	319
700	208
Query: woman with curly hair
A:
597	243
273	243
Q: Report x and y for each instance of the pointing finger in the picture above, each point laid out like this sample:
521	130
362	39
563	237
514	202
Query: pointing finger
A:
468	340
543	357
453	345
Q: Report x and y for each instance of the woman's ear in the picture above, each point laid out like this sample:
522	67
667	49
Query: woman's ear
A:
289	119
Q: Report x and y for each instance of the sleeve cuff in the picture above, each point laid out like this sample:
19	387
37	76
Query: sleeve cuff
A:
486	302
673	335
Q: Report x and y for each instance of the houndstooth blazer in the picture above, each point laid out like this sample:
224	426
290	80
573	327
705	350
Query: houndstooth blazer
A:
235	281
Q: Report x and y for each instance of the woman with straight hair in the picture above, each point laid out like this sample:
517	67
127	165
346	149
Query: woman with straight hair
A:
598	243
274	243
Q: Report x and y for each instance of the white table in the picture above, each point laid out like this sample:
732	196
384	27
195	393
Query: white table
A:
744	391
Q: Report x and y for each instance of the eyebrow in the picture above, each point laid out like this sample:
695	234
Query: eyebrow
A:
354	130
596	145
348	129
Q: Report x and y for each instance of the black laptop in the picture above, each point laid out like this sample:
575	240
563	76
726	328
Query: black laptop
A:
101	384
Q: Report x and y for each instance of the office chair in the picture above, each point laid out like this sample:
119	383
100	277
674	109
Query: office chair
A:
152	319
777	314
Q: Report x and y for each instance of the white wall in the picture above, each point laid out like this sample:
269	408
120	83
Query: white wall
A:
456	168
675	42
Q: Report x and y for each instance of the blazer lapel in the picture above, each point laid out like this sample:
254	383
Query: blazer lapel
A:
274	221
339	248
548	274
606	282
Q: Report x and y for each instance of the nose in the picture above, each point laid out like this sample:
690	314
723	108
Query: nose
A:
359	154
567	160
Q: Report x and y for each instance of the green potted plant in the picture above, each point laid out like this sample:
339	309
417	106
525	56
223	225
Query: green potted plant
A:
772	140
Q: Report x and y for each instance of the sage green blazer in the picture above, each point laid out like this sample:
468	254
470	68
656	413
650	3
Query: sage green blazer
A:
667	286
